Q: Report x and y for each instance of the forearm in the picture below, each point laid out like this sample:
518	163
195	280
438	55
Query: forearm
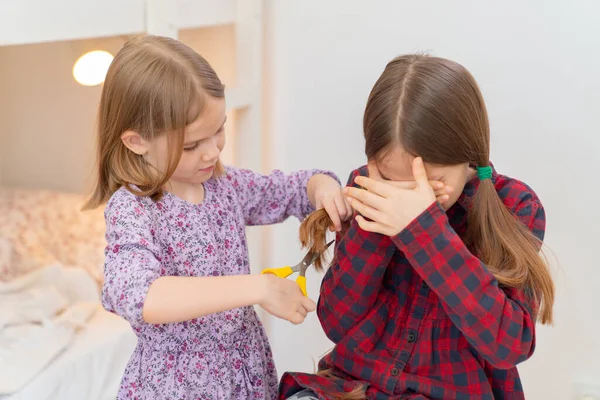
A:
272	198
352	283
175	298
499	326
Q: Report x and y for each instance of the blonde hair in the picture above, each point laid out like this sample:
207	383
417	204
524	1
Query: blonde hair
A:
154	86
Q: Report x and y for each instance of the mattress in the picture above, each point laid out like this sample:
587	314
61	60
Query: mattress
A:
90	368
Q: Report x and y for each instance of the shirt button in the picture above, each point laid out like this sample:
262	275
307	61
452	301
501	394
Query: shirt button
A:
395	371
411	337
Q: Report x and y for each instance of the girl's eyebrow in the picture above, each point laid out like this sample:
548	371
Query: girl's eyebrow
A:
192	142
198	140
224	120
383	176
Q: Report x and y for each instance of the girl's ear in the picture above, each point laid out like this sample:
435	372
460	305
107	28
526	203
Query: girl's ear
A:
134	142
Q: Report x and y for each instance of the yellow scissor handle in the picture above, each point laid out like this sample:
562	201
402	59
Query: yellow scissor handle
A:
301	281
280	272
284	273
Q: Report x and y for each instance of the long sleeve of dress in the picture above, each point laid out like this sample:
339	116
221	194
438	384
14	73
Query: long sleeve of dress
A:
269	199
132	257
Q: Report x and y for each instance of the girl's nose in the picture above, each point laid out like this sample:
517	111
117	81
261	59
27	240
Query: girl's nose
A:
211	154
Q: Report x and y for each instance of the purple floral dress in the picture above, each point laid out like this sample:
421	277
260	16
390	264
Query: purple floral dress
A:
219	356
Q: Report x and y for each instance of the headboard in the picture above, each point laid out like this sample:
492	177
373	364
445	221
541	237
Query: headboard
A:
41	227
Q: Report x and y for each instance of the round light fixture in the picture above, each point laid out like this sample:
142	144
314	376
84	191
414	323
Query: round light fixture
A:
90	69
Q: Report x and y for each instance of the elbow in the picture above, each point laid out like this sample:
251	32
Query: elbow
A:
503	358
121	306
329	322
107	300
324	315
335	324
149	317
152	313
509	344
338	319
507	363
333	333
107	305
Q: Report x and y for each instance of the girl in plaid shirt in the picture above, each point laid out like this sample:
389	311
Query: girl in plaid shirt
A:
429	299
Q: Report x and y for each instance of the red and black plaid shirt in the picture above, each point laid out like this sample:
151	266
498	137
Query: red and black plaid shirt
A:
419	316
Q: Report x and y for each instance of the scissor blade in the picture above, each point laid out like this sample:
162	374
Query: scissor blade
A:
311	257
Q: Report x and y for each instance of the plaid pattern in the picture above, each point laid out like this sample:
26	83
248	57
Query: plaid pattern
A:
418	316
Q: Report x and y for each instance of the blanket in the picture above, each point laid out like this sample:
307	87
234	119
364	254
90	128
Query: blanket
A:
40	313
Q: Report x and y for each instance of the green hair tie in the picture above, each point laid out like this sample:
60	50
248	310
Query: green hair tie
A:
484	173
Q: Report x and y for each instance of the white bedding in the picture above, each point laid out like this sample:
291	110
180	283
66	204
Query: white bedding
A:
91	368
40	313
56	341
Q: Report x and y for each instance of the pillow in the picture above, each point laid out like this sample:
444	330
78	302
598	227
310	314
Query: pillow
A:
40	227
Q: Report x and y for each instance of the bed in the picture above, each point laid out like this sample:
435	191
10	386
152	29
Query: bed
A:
51	257
92	366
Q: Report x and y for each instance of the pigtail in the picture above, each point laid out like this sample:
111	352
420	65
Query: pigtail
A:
313	235
509	249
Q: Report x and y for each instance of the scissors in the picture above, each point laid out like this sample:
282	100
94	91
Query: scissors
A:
301	268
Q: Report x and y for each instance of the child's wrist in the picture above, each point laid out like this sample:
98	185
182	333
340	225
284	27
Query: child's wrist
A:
261	285
313	185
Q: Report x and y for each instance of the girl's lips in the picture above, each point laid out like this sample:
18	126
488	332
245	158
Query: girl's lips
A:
208	169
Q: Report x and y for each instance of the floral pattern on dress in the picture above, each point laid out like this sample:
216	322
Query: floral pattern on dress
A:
219	356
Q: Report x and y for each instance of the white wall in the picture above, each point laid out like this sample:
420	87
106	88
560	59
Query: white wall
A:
537	64
47	127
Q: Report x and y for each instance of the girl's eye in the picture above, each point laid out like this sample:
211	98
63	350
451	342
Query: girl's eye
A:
194	147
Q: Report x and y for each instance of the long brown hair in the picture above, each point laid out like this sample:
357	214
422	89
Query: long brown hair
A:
434	109
154	86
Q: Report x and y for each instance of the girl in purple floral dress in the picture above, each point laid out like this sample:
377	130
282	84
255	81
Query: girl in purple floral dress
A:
176	262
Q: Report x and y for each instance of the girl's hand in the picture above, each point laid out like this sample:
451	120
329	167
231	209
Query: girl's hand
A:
324	192
441	190
284	299
391	206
